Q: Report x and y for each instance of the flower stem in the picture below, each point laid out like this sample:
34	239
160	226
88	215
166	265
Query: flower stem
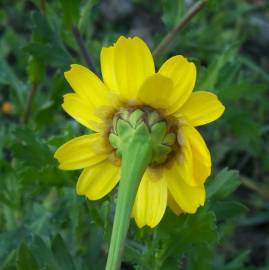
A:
29	103
136	156
183	22
83	48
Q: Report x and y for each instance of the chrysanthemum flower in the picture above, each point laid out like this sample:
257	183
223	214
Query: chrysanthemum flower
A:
134	98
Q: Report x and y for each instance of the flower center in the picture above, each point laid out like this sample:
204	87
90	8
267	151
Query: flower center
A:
146	124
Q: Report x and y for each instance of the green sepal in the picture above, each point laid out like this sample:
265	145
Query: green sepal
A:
136	118
158	132
169	139
128	123
123	128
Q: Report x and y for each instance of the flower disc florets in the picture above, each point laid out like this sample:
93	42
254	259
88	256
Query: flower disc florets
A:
143	123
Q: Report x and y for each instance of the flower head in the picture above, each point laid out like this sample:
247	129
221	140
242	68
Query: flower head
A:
133	98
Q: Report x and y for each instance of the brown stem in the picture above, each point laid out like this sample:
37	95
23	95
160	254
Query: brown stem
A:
29	104
180	25
259	189
43	6
83	49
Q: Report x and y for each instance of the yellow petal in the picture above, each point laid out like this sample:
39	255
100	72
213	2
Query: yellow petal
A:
189	198
184	160
81	152
98	180
183	75
81	110
108	69
156	91
133	64
201	108
87	85
200	153
173	205
151	201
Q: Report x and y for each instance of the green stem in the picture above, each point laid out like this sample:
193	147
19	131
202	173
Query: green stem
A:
136	156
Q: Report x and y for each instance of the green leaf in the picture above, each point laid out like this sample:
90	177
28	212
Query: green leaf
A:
86	16
223	184
172	12
201	257
46	44
8	77
70	12
259	218
30	150
238	262
25	258
43	254
197	228
188	230
61	254
212	76
246	90
227	210
8	262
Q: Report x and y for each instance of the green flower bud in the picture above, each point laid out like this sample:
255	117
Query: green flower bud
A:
150	125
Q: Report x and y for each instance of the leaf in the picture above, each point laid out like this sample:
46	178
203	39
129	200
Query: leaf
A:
55	55
30	150
43	254
8	77
86	15
238	262
172	12
227	210
8	262
213	72
70	12
223	184
246	90
198	228
25	259
260	218
61	254
46	45
201	257
188	230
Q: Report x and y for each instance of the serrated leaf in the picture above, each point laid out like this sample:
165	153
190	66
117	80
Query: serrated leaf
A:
201	257
223	184
230	209
25	258
61	254
46	44
30	150
180	233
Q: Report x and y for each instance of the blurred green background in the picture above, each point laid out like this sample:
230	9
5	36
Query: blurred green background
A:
43	223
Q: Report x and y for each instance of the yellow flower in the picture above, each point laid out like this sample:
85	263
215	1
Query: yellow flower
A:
130	84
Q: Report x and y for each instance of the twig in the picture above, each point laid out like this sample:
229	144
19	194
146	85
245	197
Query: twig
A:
83	49
180	25
43	6
29	104
260	189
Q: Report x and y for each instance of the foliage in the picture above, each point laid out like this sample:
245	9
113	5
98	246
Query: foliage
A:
43	223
